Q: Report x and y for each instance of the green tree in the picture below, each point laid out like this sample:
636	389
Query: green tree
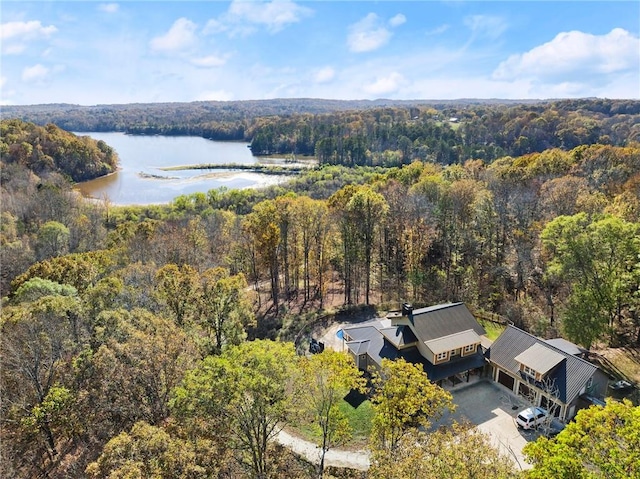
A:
599	259
245	393
223	311
326	379
36	288
601	443
53	240
404	400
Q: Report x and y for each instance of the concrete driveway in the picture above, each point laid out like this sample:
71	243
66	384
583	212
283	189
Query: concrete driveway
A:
493	411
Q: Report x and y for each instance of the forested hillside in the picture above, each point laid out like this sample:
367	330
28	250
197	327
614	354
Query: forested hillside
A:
124	328
49	149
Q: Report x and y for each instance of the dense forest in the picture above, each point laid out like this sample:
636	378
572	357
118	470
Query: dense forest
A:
124	328
382	132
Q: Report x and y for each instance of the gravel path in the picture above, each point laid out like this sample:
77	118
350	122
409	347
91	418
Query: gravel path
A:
334	457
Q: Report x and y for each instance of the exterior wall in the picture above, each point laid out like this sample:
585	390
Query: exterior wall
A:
426	352
519	384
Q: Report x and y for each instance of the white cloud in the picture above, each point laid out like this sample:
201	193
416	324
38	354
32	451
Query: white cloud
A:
576	57
109	7
324	75
180	36
367	34
16	35
217	95
385	85
274	15
438	30
214	26
488	26
398	20
35	73
3	81
210	61
25	30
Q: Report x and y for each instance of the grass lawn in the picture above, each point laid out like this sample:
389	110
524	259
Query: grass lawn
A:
493	329
359	419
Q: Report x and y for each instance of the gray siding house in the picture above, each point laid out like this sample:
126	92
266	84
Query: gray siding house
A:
549	373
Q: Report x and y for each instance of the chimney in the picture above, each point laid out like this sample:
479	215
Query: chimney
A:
407	310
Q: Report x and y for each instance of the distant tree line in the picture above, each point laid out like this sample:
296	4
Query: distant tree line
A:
384	132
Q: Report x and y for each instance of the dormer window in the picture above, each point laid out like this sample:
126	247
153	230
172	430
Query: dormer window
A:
538	360
442	356
471	348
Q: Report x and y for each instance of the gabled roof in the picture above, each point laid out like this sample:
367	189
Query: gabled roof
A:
540	358
399	336
367	339
570	376
443	320
453	341
566	346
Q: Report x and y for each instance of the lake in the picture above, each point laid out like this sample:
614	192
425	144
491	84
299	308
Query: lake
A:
141	179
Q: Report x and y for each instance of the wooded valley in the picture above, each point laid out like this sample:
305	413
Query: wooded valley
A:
126	328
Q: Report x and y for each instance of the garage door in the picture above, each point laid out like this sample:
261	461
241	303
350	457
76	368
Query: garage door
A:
506	380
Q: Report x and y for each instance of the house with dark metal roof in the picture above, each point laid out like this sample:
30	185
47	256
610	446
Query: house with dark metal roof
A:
445	339
549	373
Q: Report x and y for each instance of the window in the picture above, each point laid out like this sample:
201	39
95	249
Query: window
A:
527	370
470	348
455	352
442	356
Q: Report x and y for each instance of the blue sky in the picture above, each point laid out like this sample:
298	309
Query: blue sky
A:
90	52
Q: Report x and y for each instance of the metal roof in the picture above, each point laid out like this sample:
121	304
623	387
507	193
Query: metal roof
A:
443	320
569	377
453	341
454	320
399	336
367	339
566	346
540	358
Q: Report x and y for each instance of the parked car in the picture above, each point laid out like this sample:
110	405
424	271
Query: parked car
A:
531	417
621	385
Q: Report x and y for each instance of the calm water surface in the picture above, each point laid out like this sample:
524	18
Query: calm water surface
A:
141	180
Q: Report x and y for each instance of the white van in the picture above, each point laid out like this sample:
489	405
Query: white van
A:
531	417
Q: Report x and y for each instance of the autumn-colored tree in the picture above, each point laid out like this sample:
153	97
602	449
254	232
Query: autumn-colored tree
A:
459	451
177	287
147	451
37	343
262	224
